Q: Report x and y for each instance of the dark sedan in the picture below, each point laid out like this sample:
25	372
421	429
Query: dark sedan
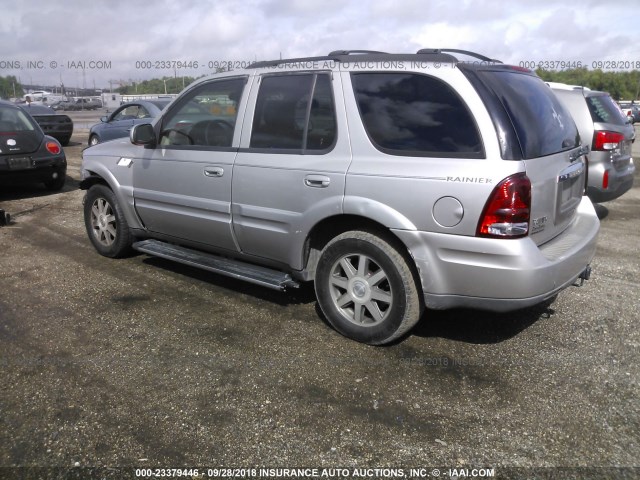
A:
58	125
120	122
27	155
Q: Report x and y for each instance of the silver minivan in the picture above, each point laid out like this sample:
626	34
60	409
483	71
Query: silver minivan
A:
609	133
394	182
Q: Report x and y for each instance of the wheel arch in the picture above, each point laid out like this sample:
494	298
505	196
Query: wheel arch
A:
328	228
92	135
91	180
123	193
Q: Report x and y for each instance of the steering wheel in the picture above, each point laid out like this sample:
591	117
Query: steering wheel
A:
218	133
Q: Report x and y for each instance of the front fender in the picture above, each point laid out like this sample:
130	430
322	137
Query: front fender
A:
117	176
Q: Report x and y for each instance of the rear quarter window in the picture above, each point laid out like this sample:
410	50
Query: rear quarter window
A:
543	125
415	115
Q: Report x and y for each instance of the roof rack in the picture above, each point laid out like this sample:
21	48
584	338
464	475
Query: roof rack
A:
273	63
436	55
351	52
434	51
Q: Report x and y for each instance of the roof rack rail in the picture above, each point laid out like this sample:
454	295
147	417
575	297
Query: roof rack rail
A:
455	50
273	63
350	52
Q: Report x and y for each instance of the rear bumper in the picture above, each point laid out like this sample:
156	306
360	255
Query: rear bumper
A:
619	181
45	170
500	274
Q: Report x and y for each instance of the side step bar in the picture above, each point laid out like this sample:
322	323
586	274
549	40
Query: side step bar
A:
224	266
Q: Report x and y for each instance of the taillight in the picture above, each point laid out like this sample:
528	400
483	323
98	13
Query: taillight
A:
53	147
506	214
603	140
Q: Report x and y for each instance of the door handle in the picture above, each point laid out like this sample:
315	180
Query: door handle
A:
213	172
317	181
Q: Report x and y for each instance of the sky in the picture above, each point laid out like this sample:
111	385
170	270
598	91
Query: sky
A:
103	44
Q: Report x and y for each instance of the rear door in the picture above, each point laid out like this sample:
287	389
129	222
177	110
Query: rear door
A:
291	172
549	146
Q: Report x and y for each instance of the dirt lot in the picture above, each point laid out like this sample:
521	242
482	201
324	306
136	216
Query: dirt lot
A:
140	362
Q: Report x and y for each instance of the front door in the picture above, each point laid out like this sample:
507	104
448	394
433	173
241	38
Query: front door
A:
182	187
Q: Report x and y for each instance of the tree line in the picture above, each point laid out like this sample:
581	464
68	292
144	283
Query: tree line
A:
620	85
156	85
9	87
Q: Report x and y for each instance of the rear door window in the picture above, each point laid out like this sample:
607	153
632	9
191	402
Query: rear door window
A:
415	115
294	112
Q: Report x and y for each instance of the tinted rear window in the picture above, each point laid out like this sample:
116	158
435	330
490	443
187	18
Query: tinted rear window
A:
295	112
15	120
604	110
543	126
415	114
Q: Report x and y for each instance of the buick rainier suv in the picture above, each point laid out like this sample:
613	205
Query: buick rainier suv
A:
395	182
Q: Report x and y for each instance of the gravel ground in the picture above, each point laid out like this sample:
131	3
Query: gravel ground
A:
143	363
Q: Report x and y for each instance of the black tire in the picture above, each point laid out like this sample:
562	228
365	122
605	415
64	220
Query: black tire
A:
105	223
57	183
367	289
65	141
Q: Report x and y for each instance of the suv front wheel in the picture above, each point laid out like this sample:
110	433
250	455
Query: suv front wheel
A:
366	288
105	223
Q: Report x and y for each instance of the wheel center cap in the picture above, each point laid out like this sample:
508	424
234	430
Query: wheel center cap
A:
359	289
103	221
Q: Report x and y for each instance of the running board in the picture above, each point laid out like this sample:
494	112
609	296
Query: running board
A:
213	263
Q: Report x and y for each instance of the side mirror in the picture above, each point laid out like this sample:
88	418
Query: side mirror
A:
104	119
143	134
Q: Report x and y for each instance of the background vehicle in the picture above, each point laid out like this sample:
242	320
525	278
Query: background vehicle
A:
77	104
63	105
631	110
119	123
27	155
393	189
601	123
58	125
87	104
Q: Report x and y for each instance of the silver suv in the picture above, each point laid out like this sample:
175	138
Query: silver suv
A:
610	134
395	182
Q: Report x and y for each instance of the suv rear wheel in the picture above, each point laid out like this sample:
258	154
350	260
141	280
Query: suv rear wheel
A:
366	289
105	223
